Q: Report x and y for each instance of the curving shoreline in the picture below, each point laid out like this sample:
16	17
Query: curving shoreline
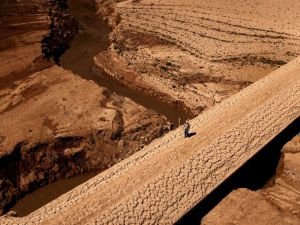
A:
146	66
54	124
94	39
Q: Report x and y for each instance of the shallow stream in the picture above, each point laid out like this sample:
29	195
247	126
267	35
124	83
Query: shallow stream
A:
79	59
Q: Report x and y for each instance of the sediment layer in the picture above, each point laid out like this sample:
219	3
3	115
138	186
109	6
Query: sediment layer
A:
53	124
194	54
167	178
32	32
275	204
51	128
23	25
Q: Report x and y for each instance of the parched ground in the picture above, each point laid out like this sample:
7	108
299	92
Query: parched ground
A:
196	53
55	103
163	181
191	54
276	204
54	124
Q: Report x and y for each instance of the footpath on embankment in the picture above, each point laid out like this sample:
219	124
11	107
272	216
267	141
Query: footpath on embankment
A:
159	184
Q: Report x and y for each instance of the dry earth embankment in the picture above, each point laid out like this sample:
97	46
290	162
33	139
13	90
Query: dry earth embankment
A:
160	183
193	54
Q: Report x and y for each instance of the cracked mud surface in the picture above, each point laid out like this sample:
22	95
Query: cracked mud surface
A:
165	179
277	203
54	124
188	54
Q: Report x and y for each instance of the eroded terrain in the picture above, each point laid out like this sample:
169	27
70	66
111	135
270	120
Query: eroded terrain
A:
277	203
163	181
194	54
54	124
189	54
23	26
52	128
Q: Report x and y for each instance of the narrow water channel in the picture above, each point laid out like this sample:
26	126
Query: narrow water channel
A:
79	58
43	195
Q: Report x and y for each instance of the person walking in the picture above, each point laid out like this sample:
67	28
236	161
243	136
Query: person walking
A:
186	127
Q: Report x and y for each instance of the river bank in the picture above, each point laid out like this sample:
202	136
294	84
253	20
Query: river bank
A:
172	60
196	54
54	124
93	39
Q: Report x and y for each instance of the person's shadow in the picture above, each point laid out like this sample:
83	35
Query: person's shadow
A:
191	134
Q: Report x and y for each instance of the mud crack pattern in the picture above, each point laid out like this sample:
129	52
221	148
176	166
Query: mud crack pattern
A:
163	181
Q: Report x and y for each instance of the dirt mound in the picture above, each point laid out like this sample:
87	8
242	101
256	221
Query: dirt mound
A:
247	207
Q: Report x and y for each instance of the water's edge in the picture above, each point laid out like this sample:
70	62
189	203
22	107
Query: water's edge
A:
79	59
43	195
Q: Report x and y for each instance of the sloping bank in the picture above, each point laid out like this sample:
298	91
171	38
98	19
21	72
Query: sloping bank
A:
194	54
162	182
54	124
52	128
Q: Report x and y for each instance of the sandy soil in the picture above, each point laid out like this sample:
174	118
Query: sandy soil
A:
197	53
276	204
160	183
246	207
191	54
61	106
54	124
51	127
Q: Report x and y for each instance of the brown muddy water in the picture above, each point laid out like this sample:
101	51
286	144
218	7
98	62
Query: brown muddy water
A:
79	59
42	196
